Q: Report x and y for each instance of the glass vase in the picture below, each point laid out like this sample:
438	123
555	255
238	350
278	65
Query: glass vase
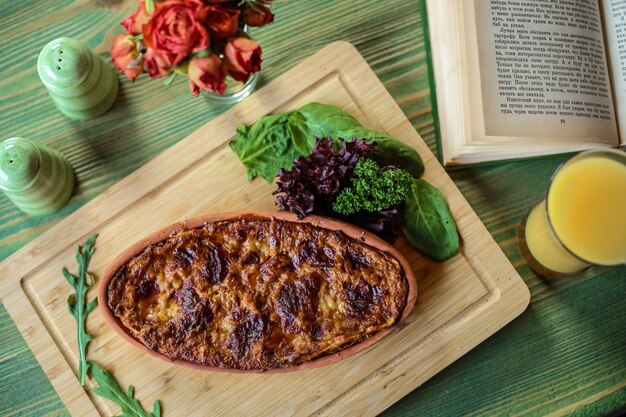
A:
235	90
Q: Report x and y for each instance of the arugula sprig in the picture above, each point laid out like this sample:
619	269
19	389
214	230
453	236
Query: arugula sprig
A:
80	309
109	388
78	305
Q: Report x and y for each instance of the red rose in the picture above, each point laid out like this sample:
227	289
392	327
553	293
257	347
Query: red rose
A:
133	22
243	57
206	74
175	29
222	22
126	55
257	16
156	64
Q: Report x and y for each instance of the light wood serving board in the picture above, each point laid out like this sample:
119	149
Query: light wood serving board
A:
460	302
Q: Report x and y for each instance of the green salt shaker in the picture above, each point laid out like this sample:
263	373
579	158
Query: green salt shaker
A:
80	83
39	180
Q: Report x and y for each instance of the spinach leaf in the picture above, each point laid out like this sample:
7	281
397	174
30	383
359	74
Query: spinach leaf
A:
428	223
319	120
389	151
393	152
265	147
77	303
325	121
109	388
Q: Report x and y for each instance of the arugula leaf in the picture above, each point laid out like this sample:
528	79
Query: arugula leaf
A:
428	223
109	388
77	303
80	309
265	147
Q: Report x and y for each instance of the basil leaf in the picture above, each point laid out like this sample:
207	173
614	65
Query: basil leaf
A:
428	223
265	147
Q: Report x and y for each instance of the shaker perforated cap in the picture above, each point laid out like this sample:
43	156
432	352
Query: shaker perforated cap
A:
19	163
81	84
64	64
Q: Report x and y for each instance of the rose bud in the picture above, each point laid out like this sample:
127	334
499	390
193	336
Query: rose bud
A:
257	16
133	22
243	57
126	55
156	64
206	74
222	22
176	29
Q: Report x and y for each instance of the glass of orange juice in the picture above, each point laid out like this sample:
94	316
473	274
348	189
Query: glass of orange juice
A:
582	220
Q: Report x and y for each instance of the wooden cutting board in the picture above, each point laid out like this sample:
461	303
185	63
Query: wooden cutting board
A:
460	303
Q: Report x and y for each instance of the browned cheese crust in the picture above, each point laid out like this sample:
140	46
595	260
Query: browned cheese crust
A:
257	294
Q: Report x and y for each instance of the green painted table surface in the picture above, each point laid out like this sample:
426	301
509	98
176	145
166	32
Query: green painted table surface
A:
565	354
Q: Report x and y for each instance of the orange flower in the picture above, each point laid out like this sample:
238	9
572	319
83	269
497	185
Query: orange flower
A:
176	29
206	74
258	16
222	22
133	22
243	57
126	55
156	64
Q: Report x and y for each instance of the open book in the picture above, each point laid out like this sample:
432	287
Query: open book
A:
523	78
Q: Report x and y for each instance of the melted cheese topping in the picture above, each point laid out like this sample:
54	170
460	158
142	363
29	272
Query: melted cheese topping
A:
257	294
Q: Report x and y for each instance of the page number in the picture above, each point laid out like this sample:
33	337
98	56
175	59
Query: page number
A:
562	120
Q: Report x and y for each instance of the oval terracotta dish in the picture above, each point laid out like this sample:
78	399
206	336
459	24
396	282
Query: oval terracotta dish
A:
119	267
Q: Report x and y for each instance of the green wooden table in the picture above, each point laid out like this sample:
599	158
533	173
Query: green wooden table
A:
565	354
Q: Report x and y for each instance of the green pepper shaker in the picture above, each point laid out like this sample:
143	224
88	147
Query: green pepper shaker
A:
80	83
37	179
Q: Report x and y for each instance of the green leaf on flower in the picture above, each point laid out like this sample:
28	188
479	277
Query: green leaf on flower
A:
150	6
201	54
77	303
170	79
109	388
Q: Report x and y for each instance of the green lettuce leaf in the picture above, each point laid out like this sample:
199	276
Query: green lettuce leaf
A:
265	147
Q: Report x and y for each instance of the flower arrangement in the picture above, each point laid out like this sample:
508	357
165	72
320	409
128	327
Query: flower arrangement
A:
202	39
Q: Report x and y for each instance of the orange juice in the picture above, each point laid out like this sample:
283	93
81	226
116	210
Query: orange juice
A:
583	219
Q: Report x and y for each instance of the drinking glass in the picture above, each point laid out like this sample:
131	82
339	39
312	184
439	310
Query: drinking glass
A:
582	220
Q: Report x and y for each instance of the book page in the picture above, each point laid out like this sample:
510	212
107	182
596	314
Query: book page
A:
615	35
543	70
